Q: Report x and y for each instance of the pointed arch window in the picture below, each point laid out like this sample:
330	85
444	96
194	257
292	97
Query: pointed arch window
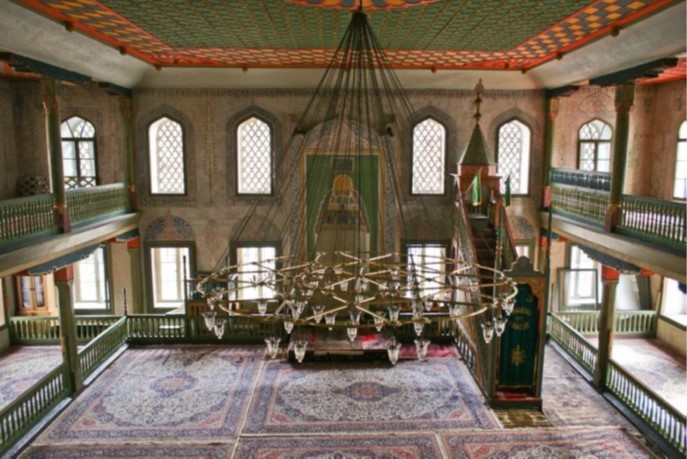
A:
513	156
428	158
594	141
680	184
78	153
166	155
254	157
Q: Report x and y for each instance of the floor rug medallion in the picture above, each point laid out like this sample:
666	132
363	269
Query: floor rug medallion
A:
191	393
350	397
599	443
344	446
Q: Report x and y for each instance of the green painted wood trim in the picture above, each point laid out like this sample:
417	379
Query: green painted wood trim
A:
17	418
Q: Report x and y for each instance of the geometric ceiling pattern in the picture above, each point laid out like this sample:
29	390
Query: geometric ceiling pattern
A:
416	34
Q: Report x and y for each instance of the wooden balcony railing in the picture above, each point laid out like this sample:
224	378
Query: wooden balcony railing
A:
24	220
638	323
653	220
667	422
584	196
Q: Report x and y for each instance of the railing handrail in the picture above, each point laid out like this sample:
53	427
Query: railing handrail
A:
652	200
24	199
92	189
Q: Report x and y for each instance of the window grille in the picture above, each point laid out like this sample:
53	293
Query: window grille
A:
254	157
430	267
429	150
595	147
513	157
680	185
78	153
167	174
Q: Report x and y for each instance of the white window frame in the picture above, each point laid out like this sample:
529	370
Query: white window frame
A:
524	155
255	263
431	270
680	176
153	158
167	284
583	282
95	297
243	151
673	302
600	145
439	177
67	138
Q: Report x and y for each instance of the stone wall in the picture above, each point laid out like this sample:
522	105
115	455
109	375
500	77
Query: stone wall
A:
655	119
30	136
8	155
211	206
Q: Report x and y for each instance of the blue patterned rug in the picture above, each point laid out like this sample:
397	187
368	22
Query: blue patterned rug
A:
356	397
23	366
183	393
598	443
410	446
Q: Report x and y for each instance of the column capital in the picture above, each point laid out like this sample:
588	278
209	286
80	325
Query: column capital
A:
609	274
65	274
50	93
554	105
624	97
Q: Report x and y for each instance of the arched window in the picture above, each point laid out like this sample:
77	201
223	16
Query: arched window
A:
594	152
78	153
429	157
166	153
680	186
254	157
513	156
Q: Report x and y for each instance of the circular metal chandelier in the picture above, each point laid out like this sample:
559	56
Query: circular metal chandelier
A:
342	217
358	293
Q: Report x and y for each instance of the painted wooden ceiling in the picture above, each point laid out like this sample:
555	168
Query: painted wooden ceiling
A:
416	34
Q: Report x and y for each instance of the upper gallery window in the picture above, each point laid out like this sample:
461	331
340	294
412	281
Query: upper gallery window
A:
429	157
166	150
680	186
254	157
78	153
513	156
594	152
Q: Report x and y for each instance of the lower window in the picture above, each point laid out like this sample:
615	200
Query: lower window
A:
169	267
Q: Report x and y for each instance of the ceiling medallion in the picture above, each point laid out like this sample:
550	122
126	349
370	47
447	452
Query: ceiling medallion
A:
368	5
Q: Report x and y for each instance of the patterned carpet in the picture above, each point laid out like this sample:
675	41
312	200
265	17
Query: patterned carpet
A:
610	443
568	400
339	447
230	402
656	364
181	393
413	395
23	366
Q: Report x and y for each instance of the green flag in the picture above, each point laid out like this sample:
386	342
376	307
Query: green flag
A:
477	189
506	199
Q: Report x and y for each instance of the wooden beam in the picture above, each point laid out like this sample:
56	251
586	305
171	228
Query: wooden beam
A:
621	247
63	244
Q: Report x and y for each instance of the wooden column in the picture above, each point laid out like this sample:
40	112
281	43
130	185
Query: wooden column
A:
50	92
127	110
64	280
551	113
624	98
135	297
609	278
